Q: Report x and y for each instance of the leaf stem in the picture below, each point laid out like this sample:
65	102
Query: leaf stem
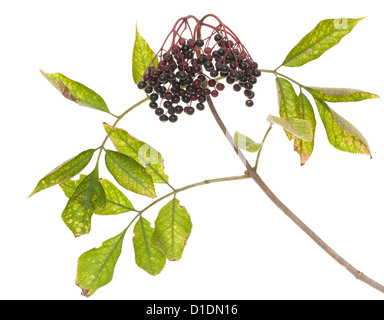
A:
258	154
282	75
255	176
197	184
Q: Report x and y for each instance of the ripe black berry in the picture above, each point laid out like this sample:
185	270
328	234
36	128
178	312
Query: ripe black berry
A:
199	42
141	84
163	118
159	111
167	104
248	93
218	37
173	118
179	109
189	110
153	97
249	103
236	87
200	106
153	105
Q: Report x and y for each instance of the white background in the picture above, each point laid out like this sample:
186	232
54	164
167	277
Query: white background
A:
242	246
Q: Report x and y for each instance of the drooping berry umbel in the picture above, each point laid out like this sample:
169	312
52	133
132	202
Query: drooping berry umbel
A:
193	66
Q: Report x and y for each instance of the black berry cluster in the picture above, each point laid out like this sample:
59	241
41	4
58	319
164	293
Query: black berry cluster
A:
190	71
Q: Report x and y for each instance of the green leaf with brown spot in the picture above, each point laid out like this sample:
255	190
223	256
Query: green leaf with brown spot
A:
299	128
87	197
140	151
305	148
116	201
95	267
172	229
147	257
142	57
65	171
324	36
289	107
340	94
341	134
76	91
244	143
129	174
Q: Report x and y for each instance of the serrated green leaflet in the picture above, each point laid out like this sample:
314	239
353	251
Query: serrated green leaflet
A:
116	201
139	151
141	58
340	94
288	102
305	148
88	196
76	91
65	171
244	143
172	229
341	134
147	257
299	128
324	36
129	174
70	185
95	267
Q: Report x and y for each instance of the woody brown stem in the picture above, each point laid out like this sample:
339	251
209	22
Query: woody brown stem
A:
254	175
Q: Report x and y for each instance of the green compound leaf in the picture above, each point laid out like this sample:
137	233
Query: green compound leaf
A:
172	229
141	58
299	128
149	258
95	267
289	107
341	134
244	143
76	91
129	174
116	203
88	196
65	171
139	151
340	94
305	148
324	36
70	185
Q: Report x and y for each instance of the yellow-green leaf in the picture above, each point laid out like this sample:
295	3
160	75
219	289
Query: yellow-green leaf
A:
147	257
305	148
324	36
129	174
65	171
95	267
341	134
172	229
116	201
340	94
76	91
70	185
88	196
299	128
140	151
244	143
142	57
289	107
